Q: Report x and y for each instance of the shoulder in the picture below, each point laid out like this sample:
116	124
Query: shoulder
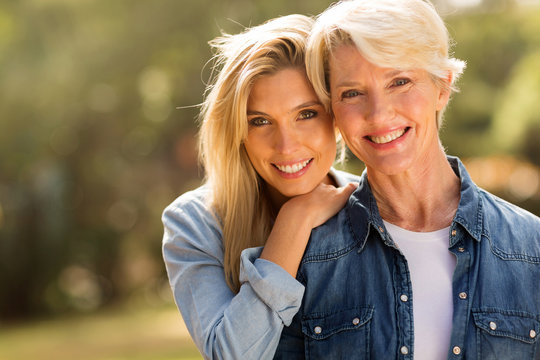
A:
339	235
196	198
331	240
497	209
191	202
343	177
190	217
511	230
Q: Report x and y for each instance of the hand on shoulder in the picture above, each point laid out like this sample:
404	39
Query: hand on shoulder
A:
321	203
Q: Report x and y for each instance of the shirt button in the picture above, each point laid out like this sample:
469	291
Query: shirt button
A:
454	232
381	229
317	329
404	298
356	321
532	334
492	325
461	249
462	295
404	350
456	350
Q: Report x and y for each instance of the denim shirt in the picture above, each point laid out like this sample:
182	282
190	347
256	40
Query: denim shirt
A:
358	300
224	325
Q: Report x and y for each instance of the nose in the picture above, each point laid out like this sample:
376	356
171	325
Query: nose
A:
286	139
379	108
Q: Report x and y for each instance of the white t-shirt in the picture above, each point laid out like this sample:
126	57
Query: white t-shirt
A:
431	266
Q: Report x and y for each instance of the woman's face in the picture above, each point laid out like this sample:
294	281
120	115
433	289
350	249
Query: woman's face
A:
387	116
291	138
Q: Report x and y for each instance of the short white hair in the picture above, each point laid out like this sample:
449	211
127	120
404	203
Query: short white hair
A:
400	34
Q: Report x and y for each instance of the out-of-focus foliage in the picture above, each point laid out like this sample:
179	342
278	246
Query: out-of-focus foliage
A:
494	111
92	148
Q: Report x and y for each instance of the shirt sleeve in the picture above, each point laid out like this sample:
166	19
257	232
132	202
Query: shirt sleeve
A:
224	325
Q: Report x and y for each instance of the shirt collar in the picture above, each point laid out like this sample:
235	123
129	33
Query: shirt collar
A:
469	213
362	208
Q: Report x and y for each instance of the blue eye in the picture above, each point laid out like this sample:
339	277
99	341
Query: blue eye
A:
349	94
401	82
258	121
307	114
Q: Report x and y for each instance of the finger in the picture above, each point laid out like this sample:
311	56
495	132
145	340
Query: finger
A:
349	188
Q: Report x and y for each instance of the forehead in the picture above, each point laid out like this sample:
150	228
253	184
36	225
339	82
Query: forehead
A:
283	88
346	60
348	65
347	56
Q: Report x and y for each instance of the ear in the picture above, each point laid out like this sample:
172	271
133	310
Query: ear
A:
444	91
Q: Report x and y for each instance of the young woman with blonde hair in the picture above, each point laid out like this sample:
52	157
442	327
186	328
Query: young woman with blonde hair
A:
267	146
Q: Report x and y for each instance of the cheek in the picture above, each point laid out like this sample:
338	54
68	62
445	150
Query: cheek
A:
254	149
325	135
328	146
424	111
423	103
345	114
347	123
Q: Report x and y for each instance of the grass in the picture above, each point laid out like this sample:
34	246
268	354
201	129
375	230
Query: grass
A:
126	333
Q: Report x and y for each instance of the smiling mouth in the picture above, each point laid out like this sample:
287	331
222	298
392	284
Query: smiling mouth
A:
388	137
294	168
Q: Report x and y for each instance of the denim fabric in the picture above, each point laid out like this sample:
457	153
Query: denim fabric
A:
355	279
222	324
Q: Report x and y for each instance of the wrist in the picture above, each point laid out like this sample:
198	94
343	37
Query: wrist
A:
296	213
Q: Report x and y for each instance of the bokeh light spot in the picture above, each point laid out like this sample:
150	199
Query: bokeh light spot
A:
122	215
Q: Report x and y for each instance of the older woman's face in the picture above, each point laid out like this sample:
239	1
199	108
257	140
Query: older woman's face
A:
291	138
387	117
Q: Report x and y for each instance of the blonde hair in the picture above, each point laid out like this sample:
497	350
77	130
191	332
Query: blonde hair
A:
237	192
401	34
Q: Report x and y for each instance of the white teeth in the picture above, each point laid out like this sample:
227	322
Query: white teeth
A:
291	169
388	137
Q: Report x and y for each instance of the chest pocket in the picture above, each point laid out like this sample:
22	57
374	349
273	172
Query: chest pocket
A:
506	334
339	335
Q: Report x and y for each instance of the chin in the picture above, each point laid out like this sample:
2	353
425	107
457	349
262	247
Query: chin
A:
295	191
390	165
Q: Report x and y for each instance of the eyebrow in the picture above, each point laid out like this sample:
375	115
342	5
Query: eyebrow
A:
306	104
387	75
296	108
252	112
347	84
394	73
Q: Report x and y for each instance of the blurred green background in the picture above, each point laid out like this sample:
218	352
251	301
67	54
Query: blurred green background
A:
92	148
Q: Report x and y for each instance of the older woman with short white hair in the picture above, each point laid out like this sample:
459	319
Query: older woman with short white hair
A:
422	263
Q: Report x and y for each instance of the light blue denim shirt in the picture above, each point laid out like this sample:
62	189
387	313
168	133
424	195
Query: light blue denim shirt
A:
222	324
358	300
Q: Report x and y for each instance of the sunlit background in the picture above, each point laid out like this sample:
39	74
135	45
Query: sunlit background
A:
92	148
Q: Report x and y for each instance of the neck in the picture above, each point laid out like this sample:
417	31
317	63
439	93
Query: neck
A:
423	198
276	198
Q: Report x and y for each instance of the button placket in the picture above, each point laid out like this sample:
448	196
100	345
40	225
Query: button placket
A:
461	288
